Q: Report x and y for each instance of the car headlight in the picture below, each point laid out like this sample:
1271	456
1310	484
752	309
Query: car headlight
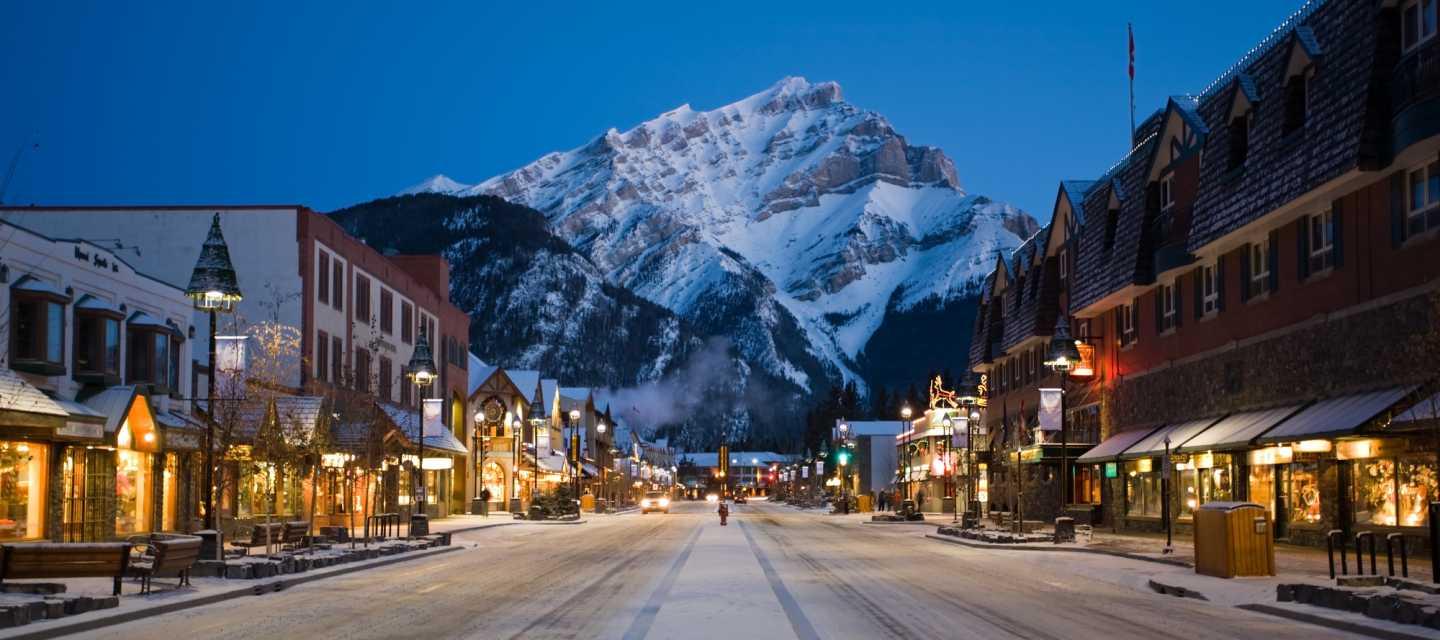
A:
664	502
644	503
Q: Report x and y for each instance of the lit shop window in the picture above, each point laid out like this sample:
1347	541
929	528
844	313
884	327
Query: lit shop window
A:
1393	492
22	490
1305	492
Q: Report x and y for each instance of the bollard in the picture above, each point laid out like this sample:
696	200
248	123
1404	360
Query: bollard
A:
1330	549
1390	540
1360	538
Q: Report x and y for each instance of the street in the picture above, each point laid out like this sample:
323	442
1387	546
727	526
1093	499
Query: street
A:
773	573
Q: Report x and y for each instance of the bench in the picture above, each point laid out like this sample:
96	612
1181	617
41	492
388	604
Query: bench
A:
292	534
41	560
167	556
260	535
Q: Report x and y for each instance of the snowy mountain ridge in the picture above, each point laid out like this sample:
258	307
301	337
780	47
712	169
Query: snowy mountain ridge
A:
791	221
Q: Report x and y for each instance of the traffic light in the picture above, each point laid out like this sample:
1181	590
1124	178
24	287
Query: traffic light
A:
843	457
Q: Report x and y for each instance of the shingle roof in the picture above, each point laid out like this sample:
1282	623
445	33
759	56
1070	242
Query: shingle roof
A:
407	421
525	380
1107	272
18	395
113	403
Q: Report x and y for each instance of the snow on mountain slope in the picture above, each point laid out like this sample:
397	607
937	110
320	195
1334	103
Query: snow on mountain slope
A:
790	221
439	183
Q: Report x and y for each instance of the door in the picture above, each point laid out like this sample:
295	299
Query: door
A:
1282	501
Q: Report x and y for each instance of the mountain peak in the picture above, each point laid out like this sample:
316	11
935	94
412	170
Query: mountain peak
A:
438	183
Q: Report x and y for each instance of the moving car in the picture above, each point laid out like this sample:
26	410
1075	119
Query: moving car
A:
740	499
655	501
712	497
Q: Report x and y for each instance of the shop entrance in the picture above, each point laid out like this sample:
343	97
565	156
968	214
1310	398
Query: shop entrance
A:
89	486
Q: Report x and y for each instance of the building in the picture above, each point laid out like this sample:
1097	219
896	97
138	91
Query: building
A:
875	457
1258	279
358	314
95	435
750	473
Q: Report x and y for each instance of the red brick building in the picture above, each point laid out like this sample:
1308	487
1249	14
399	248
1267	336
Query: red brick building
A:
1258	280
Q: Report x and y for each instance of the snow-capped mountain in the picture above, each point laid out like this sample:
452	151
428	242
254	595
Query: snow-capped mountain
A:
791	221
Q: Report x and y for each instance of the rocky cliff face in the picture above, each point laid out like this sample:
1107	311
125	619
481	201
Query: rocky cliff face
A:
791	221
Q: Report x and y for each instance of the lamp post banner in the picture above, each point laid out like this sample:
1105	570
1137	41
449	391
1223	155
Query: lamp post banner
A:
819	467
1050	409
805	472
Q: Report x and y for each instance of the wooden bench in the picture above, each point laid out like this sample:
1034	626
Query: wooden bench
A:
170	556
292	535
259	536
41	560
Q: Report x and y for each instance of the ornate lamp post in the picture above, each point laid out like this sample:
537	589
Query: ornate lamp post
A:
1064	355
482	440
421	372
905	413
604	491
947	465
537	422
213	289
969	398
572	421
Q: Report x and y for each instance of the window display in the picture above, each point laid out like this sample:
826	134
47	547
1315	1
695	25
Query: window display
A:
1393	492
22	490
1215	481
133	483
1262	487
1187	486
1142	491
1305	492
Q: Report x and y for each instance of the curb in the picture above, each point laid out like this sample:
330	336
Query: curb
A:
1330	623
1172	590
911	523
252	590
1027	547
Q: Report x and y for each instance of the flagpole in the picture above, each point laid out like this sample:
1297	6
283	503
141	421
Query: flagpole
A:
1130	30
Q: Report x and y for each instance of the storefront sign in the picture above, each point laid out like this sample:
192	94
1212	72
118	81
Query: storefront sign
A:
85	430
1086	367
1031	454
1271	455
1144	465
1367	448
1112	470
181	440
1050	409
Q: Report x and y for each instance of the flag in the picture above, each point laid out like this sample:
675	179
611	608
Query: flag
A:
1130	29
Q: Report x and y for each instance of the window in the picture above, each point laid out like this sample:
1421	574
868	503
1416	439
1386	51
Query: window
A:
1297	100
337	360
1259	284
1209	290
97	345
1142	488
1167	192
149	356
322	281
382	386
1322	241
361	303
1126	317
1305	492
1168	312
1422	204
338	280
1239	132
387	311
407	322
23	474
322	356
38	338
362	370
1112	222
1394	491
1417	23
1064	265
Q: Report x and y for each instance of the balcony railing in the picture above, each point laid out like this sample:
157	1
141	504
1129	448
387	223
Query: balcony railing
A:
1417	77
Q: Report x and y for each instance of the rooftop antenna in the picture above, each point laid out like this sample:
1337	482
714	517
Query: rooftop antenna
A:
15	162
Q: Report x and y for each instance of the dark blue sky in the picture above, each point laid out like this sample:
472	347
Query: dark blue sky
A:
328	106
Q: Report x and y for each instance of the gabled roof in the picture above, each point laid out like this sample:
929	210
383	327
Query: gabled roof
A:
1305	37
113	403
407	422
1074	191
1245	83
18	395
525	380
479	373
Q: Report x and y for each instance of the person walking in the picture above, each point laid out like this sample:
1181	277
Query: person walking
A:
724	512
485	502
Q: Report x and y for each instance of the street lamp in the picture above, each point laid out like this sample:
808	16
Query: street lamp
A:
905	414
537	422
573	424
969	399
421	372
213	289
603	464
1064	355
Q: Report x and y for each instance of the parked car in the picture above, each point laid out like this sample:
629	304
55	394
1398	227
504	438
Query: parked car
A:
655	501
741	499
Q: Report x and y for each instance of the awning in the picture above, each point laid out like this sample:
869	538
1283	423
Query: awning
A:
1113	446
590	470
1427	409
1336	416
1179	434
21	404
1236	431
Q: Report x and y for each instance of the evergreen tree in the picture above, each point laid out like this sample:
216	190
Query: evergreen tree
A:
880	404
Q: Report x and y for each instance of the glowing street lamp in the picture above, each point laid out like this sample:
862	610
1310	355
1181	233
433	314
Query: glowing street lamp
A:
213	289
1063	357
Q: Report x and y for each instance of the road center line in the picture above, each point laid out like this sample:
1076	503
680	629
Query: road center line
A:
643	620
798	622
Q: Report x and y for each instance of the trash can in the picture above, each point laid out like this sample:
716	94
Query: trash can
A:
1064	529
863	503
947	504
1233	539
587	503
419	525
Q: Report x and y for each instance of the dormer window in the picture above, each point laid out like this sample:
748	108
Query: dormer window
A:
1167	193
1297	99
1064	259
1239	132
151	355
1417	23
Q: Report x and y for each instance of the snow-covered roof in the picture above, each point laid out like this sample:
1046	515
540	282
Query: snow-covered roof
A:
479	372
525	380
33	284
92	303
549	387
18	395
113	403
408	422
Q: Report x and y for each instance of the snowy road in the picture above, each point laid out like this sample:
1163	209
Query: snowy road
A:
774	573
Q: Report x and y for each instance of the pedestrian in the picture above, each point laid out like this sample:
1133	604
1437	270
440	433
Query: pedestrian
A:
485	502
724	512
920	500
880	500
